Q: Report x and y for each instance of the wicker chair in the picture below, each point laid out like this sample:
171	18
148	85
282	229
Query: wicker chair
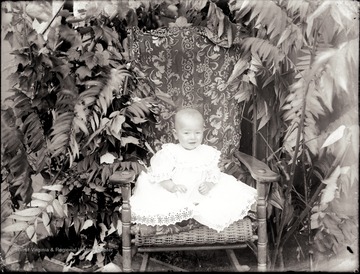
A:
195	48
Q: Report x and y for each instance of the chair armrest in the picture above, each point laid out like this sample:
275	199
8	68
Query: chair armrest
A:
124	179
258	170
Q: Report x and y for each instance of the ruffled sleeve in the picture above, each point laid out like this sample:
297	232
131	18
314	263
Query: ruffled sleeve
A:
212	172
162	165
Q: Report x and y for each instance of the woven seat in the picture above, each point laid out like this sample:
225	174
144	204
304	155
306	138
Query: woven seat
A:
240	231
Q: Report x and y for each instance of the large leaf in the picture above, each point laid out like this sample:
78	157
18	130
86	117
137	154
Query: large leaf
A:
54	187
42	196
39	10
116	125
328	193
240	66
29	212
334	136
30	231
58	208
46	222
38	203
18	226
83	72
87	224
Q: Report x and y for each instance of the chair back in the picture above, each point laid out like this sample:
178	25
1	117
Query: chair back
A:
193	69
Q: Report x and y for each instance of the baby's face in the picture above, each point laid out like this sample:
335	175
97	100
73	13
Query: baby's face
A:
189	132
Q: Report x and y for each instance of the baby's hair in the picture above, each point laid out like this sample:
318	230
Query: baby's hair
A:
187	112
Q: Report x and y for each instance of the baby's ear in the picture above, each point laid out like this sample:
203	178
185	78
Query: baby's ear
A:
174	133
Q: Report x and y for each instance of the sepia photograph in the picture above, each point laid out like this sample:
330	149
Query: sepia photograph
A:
180	136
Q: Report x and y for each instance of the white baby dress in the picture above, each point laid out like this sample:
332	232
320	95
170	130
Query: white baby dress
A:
228	201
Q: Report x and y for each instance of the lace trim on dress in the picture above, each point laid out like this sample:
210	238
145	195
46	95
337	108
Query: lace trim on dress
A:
243	213
161	219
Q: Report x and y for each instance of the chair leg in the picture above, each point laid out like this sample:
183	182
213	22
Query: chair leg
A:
144	262
235	263
127	258
253	247
262	232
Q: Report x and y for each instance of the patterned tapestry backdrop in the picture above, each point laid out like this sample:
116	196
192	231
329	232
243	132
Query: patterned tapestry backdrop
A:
186	64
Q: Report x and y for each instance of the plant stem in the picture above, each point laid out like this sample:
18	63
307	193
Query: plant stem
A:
303	214
52	20
313	199
295	155
273	153
292	173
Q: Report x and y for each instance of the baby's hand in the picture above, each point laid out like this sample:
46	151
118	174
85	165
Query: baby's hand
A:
170	186
180	188
205	187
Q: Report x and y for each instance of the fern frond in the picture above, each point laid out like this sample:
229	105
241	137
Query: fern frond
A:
101	96
303	63
336	61
65	102
61	131
335	17
12	139
196	4
6	204
34	132
280	27
115	83
14	157
42	208
22	103
298	101
74	151
266	51
298	10
19	178
87	99
221	26
329	74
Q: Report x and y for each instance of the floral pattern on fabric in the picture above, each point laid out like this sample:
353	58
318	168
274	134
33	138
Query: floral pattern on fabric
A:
193	70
